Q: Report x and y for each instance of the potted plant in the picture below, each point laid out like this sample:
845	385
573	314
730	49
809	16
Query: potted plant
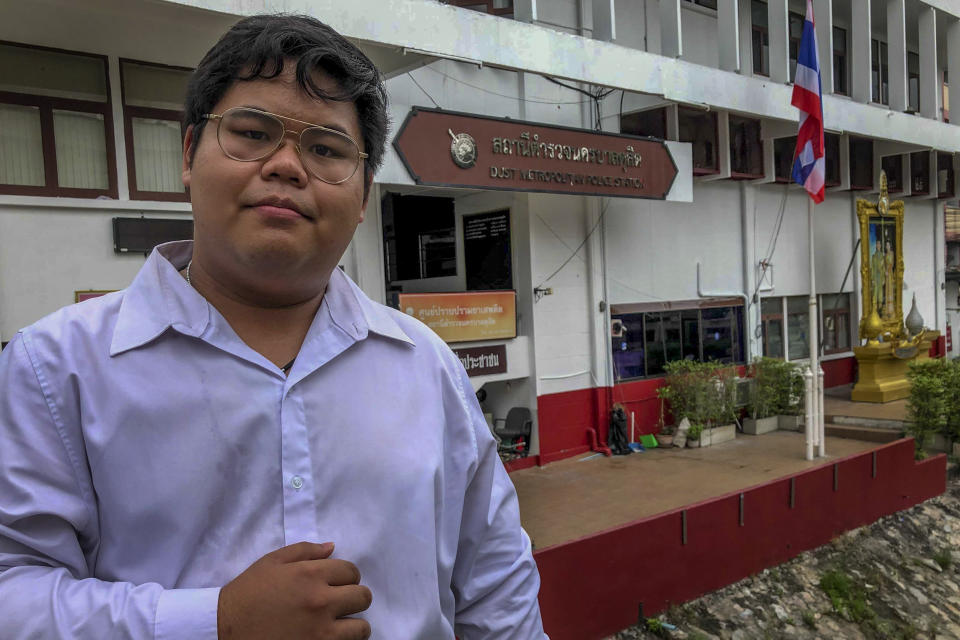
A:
694	435
720	407
768	393
791	391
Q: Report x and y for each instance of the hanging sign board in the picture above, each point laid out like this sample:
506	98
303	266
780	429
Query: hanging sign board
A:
481	361
461	317
444	148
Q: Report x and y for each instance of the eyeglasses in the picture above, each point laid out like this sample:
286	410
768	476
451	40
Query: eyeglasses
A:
248	135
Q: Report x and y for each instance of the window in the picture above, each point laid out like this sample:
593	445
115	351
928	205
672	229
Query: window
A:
644	341
835	322
913	82
418	237
945	175
761	38
783	154
699	128
880	72
840	60
651	123
861	163
831	161
795	32
709	4
746	150
920	172
893	166
946	97
771	318
152	111
834	326
56	127
798	312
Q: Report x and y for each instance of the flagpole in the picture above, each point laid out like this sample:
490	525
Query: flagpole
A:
813	419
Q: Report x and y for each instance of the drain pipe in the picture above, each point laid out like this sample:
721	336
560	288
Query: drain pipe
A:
730	294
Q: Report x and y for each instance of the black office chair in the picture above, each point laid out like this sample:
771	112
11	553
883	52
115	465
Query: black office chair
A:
513	432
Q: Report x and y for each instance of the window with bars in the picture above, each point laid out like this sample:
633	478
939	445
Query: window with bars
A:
879	72
153	111
840	61
56	126
760	38
785	320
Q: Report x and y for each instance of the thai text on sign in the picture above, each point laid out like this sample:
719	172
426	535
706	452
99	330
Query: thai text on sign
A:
461	317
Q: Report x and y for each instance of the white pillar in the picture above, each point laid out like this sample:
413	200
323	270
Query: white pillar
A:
858	52
777	26
897	53
929	85
823	17
821	429
671	40
810	409
813	339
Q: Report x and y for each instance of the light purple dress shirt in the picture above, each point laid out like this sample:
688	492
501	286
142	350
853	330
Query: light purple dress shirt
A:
148	456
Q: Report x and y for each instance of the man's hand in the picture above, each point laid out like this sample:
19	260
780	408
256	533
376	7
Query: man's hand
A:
295	592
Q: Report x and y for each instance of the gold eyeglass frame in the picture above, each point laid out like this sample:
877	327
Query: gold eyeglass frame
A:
309	125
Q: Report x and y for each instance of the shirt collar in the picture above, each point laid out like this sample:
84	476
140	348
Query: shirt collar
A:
355	313
159	299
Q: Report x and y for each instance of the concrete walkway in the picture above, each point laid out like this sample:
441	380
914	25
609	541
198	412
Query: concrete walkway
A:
573	498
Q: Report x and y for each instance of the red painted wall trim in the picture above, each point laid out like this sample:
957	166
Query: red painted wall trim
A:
592	587
838	372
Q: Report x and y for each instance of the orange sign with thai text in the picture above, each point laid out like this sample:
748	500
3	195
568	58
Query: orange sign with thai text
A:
461	317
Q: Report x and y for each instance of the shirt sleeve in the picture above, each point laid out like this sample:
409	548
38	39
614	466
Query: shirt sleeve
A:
49	534
495	579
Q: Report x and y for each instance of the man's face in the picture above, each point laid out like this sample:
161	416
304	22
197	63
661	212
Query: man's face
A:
268	223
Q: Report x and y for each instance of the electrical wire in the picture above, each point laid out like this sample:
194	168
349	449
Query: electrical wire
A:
603	212
582	259
503	95
435	103
772	245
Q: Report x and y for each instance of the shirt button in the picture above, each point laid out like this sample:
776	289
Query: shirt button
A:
296	482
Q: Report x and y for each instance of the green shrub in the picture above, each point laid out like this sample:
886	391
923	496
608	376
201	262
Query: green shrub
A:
925	405
777	388
702	392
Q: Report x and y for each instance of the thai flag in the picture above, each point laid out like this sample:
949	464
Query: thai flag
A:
808	165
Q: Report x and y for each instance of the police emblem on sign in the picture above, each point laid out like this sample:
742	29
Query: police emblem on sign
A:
463	149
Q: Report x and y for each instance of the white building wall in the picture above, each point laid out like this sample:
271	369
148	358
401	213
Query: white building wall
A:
558	225
48	253
920	267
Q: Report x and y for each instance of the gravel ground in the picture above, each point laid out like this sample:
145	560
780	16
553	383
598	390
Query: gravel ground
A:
897	578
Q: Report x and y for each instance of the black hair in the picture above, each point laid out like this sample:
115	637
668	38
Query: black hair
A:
258	46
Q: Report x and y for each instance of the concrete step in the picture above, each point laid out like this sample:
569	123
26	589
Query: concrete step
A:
860	421
859	432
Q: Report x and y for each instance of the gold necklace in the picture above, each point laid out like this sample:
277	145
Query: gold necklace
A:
285	368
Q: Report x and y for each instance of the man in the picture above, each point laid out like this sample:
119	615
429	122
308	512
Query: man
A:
241	444
878	263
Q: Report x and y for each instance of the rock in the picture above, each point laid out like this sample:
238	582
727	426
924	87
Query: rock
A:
780	612
921	598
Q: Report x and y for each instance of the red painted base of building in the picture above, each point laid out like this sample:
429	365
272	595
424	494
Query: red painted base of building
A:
595	586
566	419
